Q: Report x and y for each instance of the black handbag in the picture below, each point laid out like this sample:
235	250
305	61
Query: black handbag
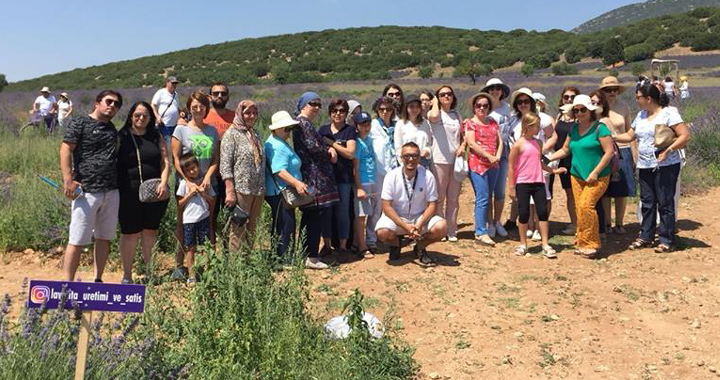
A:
239	216
147	193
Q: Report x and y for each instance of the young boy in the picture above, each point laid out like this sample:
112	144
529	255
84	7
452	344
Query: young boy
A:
195	206
364	170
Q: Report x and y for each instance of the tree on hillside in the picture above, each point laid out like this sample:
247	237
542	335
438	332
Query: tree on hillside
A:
613	52
426	72
528	70
472	70
3	82
637	68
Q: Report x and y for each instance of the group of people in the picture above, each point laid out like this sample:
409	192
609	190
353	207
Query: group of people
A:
365	179
46	108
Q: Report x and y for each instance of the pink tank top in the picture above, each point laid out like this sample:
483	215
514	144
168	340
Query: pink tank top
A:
527	166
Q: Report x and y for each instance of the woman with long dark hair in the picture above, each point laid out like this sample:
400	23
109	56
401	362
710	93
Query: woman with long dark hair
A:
658	167
140	140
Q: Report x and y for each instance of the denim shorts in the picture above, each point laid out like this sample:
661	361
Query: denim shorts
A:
196	233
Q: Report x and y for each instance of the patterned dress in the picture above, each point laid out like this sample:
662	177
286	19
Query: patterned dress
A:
238	162
316	167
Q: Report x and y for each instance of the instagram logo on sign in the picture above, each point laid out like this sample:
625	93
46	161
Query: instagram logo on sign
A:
39	294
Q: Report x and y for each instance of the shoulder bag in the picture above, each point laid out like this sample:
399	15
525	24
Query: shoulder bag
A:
664	136
616	157
290	197
147	192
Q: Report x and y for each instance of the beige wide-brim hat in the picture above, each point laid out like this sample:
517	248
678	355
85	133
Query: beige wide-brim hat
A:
65	95
611	82
521	91
582	100
282	119
473	99
496	82
45	89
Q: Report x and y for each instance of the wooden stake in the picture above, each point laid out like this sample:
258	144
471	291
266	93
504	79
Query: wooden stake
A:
82	347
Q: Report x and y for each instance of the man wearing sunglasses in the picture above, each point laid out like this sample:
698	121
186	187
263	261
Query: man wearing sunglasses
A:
219	117
88	159
409	195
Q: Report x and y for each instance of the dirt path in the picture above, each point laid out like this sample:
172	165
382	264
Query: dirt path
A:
487	314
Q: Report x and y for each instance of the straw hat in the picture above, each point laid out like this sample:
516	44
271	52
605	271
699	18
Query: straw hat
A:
493	102
582	100
521	91
45	89
683	78
281	119
65	95
496	82
611	82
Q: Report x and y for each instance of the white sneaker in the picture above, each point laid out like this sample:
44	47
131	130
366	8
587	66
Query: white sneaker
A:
536	236
500	230
491	230
315	263
452	239
529	233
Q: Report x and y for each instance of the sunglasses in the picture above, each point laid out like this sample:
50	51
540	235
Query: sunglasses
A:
611	89
315	104
447	94
338	110
411	157
112	103
568	97
219	93
495	88
139	115
579	110
385	109
523	101
394	94
482	105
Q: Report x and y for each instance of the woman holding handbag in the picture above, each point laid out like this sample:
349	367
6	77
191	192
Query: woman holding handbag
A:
282	172
142	163
242	167
661	133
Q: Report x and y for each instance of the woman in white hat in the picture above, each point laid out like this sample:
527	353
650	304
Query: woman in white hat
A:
590	144
501	114
684	88
65	108
282	170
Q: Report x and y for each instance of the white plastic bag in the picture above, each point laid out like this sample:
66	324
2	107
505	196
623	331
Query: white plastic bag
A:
460	171
338	327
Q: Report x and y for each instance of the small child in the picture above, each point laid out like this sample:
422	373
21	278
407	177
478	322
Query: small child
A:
525	173
195	206
364	170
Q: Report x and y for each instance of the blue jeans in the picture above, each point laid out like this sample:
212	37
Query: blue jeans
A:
498	190
341	211
482	185
657	194
283	223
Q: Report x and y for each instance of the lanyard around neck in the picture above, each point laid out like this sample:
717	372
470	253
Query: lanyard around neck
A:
410	194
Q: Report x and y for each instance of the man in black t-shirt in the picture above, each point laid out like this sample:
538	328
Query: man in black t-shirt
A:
88	160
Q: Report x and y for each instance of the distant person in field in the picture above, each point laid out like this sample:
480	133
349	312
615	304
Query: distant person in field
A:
140	221
394	92
242	168
65	109
46	105
166	107
88	161
409	196
501	114
684	88
670	89
448	146
658	170
203	142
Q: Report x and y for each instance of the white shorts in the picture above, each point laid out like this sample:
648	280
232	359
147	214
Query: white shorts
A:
385	222
94	214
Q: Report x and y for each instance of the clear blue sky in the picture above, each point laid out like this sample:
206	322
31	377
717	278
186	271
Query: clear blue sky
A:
43	37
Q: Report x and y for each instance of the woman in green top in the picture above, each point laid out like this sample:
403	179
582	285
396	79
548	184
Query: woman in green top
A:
590	144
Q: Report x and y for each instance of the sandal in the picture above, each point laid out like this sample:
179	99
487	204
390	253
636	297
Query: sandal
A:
639	243
549	252
589	253
663	248
521	250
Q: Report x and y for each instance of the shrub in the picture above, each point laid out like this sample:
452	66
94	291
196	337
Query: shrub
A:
639	52
637	68
528	70
614	73
426	72
563	68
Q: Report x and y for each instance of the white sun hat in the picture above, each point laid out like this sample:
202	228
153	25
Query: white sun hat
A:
282	119
582	100
497	82
45	89
521	91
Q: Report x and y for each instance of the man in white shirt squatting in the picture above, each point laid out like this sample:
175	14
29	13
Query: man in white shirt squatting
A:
409	195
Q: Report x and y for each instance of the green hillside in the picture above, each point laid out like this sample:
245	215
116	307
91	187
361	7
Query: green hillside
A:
641	11
372	53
